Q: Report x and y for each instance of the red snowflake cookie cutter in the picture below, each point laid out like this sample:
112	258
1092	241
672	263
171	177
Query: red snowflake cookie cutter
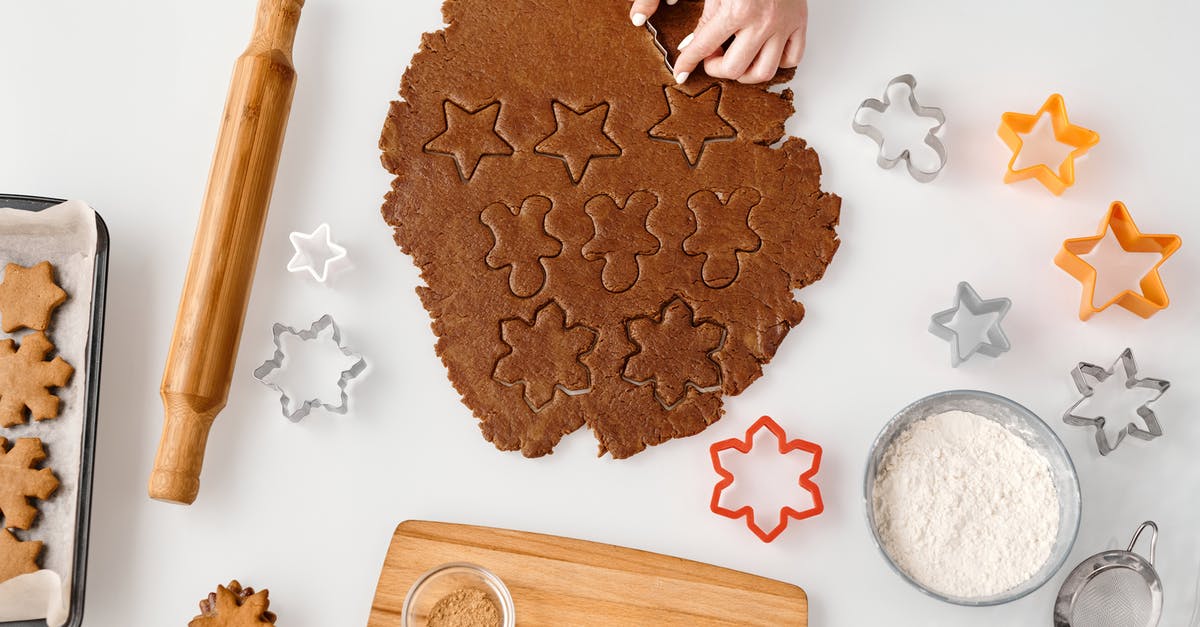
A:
785	446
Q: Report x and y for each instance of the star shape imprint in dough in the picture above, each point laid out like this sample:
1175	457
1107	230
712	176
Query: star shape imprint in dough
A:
469	137
28	297
543	356
1085	371
1153	295
579	138
693	121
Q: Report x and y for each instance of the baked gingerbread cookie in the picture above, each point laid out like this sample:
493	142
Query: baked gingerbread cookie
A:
17	557
26	377
21	480
234	606
599	245
28	297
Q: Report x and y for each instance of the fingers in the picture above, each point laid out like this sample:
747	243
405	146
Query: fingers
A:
737	59
794	50
700	45
765	64
642	10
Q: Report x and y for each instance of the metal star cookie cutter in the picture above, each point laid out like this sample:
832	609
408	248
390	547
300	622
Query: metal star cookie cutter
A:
661	48
1083	370
931	138
965	297
311	334
319	264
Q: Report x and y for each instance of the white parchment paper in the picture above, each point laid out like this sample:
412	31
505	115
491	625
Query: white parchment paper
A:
64	235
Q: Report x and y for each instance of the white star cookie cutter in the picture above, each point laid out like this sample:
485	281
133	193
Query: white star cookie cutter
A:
316	253
968	300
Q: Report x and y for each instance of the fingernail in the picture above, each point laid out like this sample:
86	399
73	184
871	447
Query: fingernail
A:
672	1
686	40
639	19
681	77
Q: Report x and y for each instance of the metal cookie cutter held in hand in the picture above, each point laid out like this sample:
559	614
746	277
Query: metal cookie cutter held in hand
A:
661	48
931	138
1113	588
311	334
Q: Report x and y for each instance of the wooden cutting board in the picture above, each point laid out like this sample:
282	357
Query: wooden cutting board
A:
560	581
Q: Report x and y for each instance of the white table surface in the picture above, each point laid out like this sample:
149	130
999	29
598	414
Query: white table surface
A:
117	103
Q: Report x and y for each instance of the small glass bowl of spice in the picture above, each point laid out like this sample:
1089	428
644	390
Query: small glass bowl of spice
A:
458	594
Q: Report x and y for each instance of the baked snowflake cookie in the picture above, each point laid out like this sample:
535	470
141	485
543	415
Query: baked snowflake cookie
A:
21	482
234	606
600	246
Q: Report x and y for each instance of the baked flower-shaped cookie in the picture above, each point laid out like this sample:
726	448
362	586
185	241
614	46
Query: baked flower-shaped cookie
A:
234	606
28	297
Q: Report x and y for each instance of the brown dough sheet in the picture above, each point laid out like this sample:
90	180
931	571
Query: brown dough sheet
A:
724	242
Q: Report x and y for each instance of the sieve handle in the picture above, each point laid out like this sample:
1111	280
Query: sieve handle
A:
1153	538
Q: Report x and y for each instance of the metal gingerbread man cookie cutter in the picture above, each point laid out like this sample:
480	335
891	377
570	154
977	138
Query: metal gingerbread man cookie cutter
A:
276	362
931	138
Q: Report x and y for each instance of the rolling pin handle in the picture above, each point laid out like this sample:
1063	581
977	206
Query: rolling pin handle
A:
176	475
275	27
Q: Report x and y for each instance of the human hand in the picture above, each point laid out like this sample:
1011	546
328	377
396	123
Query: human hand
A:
767	35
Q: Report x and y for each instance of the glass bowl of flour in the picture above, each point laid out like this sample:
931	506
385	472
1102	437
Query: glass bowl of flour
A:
971	498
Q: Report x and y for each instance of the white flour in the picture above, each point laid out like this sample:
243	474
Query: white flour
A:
964	506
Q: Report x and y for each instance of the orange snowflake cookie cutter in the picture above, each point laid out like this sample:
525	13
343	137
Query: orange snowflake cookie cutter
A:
785	446
1153	297
1013	125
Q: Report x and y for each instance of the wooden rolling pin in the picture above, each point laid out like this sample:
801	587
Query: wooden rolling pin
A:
216	291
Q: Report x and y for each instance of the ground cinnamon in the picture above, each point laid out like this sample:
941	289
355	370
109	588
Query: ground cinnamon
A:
465	607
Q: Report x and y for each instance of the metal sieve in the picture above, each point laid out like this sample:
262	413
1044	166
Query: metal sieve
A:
1112	589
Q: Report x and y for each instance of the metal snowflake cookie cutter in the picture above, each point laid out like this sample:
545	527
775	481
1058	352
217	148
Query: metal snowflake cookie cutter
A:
966	298
316	253
661	48
931	138
1084	370
278	330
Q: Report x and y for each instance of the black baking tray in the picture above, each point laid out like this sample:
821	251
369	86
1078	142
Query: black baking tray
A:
88	449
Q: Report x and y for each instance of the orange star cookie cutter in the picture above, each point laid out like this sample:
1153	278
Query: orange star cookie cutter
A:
1153	297
1013	125
785	446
